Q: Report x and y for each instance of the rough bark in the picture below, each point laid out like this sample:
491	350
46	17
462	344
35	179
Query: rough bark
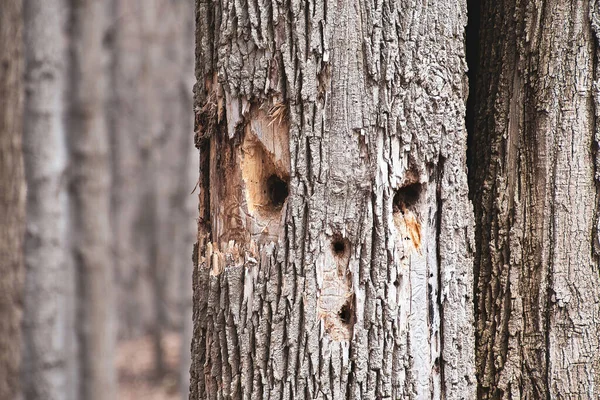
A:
12	195
333	256
90	198
535	185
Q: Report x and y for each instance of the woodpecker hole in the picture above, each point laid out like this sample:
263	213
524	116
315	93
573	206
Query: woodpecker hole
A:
407	196
277	191
339	247
346	313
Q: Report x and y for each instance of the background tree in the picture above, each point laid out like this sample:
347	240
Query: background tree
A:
90	198
334	255
49	343
535	184
12	194
108	90
154	168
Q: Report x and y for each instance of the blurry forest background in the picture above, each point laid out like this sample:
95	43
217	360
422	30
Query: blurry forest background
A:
105	92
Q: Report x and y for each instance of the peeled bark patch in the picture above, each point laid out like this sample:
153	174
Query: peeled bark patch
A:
265	165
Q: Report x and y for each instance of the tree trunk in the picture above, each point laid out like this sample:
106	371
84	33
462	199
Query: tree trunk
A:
49	343
151	125
12	194
128	124
151	131
535	185
334	250
90	198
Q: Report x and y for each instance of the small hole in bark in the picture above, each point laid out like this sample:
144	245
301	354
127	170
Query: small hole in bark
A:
346	311
339	247
407	196
277	190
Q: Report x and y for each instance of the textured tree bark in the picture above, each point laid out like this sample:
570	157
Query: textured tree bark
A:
12	195
334	241
90	198
535	185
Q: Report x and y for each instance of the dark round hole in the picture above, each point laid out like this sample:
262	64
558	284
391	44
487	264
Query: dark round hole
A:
278	191
407	196
339	247
345	313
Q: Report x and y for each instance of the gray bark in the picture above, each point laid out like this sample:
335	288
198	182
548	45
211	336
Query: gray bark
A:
151	131
535	185
12	195
129	122
90	198
334	249
66	340
49	343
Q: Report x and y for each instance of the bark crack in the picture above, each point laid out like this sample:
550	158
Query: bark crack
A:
472	56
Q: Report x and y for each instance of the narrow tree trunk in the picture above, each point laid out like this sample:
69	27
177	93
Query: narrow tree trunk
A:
151	132
150	124
128	124
334	256
12	194
536	200
90	185
171	25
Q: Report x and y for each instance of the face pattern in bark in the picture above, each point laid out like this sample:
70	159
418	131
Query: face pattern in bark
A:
335	290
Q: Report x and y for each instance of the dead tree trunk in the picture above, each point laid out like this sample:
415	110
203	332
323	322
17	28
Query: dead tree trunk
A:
535	184
334	249
12	194
90	198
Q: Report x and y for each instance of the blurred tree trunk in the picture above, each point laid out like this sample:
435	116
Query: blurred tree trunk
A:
154	220
68	304
535	184
50	367
174	209
90	198
334	255
129	129
12	194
